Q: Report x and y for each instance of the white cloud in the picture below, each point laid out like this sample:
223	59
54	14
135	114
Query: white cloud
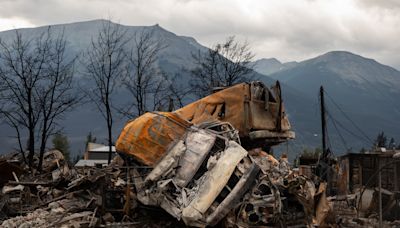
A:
13	23
286	29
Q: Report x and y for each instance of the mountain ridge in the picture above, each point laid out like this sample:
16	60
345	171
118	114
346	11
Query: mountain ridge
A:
300	84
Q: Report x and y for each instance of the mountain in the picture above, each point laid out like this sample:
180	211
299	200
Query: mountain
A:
361	95
271	65
85	118
365	90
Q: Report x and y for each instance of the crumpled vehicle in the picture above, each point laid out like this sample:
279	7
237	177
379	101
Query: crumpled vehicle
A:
254	110
205	175
199	172
202	176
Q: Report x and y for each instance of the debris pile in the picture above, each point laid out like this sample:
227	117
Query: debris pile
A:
190	163
63	196
202	165
205	174
281	197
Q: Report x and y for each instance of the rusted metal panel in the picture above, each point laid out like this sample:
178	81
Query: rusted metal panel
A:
148	137
248	107
226	105
257	109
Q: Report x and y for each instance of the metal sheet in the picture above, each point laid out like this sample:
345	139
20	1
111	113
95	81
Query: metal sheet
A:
148	137
198	144
214	182
237	105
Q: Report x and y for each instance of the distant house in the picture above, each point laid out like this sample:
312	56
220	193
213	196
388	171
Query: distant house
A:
360	169
95	151
96	155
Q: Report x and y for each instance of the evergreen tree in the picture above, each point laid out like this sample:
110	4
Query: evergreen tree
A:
392	144
60	142
90	139
381	140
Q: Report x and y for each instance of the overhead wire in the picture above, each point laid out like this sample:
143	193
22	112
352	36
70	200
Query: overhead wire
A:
337	130
349	119
337	123
351	133
376	88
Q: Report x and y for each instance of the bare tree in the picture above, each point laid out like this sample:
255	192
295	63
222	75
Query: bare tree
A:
144	80
223	65
36	87
169	93
204	75
21	70
57	94
105	65
13	122
176	92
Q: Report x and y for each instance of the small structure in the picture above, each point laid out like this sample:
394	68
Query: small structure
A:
96	151
308	165
361	170
96	155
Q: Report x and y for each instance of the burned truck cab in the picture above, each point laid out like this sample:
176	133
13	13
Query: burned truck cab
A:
199	170
255	110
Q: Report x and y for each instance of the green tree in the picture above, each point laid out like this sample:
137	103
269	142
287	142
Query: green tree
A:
90	139
381	140
311	153
61	143
392	143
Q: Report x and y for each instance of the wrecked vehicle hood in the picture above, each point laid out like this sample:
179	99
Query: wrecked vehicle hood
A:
148	137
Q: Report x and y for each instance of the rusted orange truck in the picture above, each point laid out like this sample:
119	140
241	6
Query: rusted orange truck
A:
254	110
201	164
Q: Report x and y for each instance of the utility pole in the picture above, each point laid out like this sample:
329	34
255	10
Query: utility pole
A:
380	191
324	160
323	120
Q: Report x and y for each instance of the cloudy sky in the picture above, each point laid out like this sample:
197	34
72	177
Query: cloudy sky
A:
285	29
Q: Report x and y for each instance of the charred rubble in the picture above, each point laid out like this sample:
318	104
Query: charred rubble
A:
206	164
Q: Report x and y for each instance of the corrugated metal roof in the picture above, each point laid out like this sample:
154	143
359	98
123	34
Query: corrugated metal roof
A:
83	162
96	147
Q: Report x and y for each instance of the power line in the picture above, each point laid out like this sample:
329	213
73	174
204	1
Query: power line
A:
349	119
337	130
382	93
350	132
